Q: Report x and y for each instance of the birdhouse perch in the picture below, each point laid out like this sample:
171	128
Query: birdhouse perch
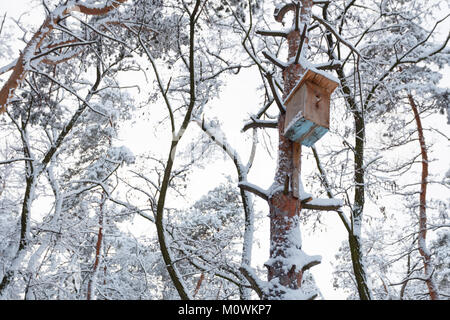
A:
308	108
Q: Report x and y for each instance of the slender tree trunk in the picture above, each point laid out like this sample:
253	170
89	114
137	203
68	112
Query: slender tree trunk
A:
358	267
423	250
30	181
354	236
199	284
98	248
174	274
246	257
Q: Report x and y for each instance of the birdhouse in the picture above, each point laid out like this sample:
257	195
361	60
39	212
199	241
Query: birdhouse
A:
308	108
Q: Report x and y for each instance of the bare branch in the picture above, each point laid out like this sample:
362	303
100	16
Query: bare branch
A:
271	33
336	34
254	282
256	123
247	186
274	60
327	187
281	12
300	46
14	160
275	93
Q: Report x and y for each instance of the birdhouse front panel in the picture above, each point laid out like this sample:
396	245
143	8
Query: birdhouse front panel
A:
305	132
317	105
308	108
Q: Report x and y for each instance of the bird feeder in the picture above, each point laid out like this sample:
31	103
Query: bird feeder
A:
308	108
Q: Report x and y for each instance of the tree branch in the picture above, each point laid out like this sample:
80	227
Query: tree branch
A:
256	123
247	186
283	34
254	282
300	46
275	93
274	60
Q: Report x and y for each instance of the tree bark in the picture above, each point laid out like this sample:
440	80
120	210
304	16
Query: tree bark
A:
284	205
354	236
423	250
98	247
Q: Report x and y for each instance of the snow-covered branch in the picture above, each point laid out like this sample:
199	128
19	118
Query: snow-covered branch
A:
23	62
336	34
14	160
245	185
323	204
257	123
274	60
252	278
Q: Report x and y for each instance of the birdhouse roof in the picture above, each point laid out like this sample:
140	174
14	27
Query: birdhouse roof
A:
318	77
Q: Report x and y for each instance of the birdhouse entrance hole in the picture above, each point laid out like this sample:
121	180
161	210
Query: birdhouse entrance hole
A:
308	108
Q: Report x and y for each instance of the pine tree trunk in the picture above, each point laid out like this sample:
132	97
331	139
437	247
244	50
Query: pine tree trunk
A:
285	240
423	250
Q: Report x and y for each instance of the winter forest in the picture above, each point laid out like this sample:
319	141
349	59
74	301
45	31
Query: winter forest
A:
144	154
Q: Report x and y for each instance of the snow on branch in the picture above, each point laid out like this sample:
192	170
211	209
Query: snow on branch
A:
336	34
14	160
219	138
22	64
327	187
66	57
308	202
247	186
275	93
8	67
323	204
274	60
94	9
273	33
257	123
255	119
253	279
330	65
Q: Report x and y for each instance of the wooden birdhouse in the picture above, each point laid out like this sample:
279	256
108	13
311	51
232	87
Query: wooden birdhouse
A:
308	108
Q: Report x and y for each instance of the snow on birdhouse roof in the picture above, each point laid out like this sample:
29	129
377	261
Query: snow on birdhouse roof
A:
318	77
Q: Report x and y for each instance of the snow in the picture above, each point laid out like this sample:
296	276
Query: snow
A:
302	194
274	188
8	66
326	202
294	120
255	187
309	66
